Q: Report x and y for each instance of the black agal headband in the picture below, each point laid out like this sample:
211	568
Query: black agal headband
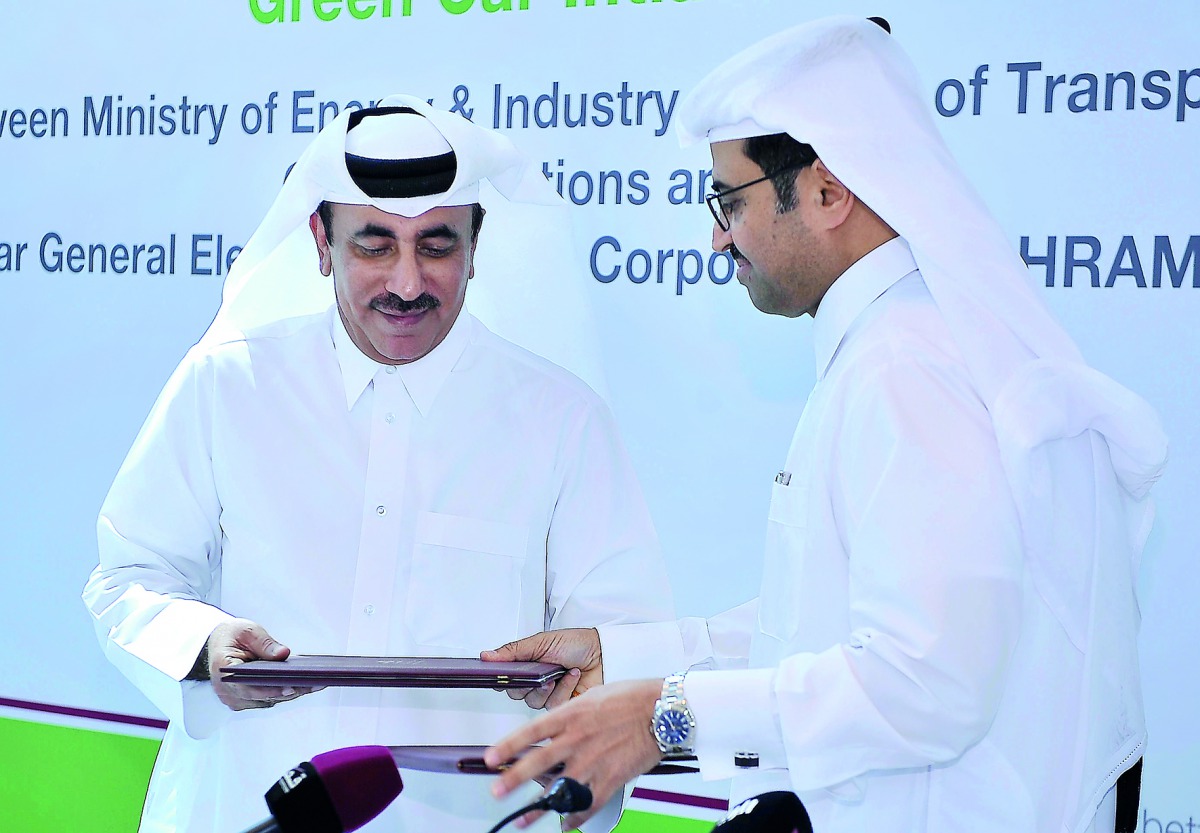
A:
399	178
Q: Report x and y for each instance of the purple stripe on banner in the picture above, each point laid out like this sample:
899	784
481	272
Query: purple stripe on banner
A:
108	717
681	798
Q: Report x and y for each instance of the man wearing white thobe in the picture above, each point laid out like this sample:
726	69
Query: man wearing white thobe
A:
381	477
946	633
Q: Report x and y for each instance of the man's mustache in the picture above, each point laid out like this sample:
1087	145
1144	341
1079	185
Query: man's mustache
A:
392	303
733	250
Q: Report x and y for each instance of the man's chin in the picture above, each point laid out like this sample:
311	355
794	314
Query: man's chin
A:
760	303
771	306
395	351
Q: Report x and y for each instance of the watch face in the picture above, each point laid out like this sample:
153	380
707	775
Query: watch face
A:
673	727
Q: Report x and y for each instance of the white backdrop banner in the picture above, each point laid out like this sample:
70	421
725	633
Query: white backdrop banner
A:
141	143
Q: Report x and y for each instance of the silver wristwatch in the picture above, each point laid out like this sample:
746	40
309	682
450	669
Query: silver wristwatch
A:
673	724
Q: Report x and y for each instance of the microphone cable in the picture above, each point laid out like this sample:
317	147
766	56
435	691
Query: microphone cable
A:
566	795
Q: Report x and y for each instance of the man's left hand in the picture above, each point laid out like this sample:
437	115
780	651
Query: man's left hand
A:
602	739
577	649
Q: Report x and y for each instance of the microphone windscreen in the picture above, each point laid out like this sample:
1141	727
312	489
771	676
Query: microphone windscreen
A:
774	812
361	782
299	802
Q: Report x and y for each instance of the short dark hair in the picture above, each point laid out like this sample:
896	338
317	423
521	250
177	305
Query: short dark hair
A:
325	212
780	152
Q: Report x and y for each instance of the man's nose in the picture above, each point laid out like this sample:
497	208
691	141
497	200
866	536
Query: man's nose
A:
404	278
722	239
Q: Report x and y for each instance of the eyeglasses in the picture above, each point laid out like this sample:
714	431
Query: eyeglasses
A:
714	200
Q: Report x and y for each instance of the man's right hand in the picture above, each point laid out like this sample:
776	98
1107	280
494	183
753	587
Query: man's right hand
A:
241	640
577	649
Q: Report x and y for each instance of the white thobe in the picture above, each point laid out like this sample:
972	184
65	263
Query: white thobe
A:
904	673
436	508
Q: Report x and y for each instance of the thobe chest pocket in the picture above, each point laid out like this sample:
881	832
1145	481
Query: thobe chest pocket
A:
779	608
464	592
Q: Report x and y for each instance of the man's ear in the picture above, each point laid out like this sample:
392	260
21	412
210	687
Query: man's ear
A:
317	227
475	242
835	200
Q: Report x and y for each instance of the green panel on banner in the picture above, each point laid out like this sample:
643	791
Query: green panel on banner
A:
635	821
55	779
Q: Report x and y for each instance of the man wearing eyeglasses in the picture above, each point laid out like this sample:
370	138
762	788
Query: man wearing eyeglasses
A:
946	633
778	260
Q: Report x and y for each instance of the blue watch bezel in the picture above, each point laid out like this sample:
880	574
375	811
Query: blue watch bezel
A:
673	727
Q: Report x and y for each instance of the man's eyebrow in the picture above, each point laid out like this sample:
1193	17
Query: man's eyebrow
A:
375	230
440	230
718	186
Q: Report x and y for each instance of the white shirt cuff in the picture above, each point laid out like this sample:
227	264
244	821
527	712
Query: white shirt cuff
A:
735	712
641	651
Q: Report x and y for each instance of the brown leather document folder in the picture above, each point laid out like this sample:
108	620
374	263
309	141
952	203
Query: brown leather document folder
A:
393	672
469	761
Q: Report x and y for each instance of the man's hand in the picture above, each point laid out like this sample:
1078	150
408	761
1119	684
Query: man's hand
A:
241	641
577	649
602	739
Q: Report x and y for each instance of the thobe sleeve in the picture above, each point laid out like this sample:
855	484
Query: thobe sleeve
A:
603	562
656	649
925	516
159	542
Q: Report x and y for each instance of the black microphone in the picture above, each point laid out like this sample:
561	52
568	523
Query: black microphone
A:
335	792
775	812
566	795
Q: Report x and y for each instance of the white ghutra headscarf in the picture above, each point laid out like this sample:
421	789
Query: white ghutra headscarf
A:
406	157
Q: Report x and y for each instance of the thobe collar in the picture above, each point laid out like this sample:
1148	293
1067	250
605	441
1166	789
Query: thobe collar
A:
867	278
422	378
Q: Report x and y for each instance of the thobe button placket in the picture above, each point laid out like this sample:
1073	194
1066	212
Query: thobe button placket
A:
381	538
380	547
